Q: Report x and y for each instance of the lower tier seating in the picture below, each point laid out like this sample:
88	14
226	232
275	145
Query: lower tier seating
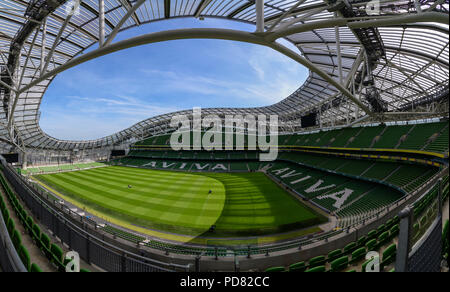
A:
330	191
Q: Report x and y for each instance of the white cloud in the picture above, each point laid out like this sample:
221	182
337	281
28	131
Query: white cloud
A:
278	77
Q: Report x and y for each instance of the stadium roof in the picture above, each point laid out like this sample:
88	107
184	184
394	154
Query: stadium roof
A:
404	49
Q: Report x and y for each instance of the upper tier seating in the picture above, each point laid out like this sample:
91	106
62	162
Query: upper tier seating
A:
365	138
429	137
440	144
343	136
420	135
391	136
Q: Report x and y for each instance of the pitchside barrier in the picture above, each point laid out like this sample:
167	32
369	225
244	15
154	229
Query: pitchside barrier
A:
93	250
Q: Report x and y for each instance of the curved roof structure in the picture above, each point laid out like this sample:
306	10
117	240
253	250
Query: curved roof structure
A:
361	63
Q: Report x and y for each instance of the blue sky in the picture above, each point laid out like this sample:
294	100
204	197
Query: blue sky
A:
111	93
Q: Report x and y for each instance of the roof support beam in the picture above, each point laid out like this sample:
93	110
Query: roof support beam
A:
301	18
338	49
7	68
405	74
418	6
375	21
348	79
56	43
19	82
201	7
118	27
128	6
101	21
7	86
259	16
240	9
95	12
167	8
287	13
43	44
199	33
435	4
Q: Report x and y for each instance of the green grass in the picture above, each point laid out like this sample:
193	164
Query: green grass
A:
241	204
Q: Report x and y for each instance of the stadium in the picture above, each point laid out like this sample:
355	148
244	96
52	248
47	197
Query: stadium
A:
349	175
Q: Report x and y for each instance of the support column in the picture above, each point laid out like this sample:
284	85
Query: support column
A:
320	116
418	6
259	15
43	44
101	20
404	240
24	160
338	49
440	194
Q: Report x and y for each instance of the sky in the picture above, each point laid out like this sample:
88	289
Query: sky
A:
111	93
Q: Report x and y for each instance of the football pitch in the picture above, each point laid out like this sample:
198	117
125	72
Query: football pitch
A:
238	204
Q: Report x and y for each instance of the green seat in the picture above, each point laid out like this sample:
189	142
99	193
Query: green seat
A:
44	245
445	238
23	216
381	229
84	270
349	248
358	254
416	231
297	267
10	226
36	233
394	231
423	222
16	239
318	269
371	235
5	214
24	256
19	207
35	268
57	252
275	269
383	239
361	241
332	255
29	225
317	261
371	244
45	240
389	223
389	256
57	257
2	204
339	264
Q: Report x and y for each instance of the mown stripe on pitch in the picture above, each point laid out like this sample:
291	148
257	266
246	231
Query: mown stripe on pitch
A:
118	205
157	192
152	189
252	200
87	184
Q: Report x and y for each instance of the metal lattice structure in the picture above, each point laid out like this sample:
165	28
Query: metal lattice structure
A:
363	65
